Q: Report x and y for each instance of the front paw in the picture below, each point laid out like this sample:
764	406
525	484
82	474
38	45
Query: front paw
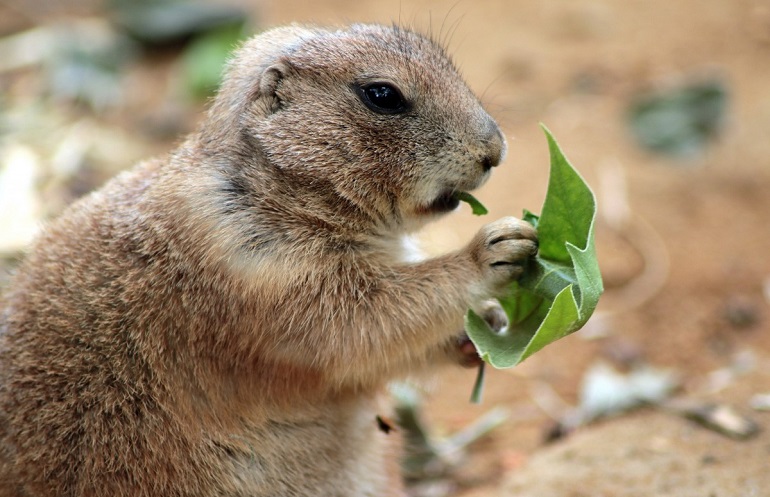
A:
463	349
464	352
501	250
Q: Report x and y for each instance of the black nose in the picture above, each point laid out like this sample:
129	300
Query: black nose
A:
495	143
489	162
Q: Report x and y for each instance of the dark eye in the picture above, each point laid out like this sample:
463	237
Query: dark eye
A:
382	98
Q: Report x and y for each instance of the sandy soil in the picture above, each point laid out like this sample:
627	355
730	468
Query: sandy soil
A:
687	269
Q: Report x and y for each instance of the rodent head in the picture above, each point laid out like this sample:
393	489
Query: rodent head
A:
375	115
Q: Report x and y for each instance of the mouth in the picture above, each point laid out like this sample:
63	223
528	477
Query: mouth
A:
449	198
446	202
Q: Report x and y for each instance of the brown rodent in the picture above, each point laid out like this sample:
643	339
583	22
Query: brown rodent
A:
223	322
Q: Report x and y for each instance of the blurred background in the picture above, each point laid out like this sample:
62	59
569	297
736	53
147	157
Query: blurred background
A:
663	106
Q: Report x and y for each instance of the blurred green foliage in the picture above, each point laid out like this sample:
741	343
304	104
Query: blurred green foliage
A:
162	22
680	121
204	58
206	32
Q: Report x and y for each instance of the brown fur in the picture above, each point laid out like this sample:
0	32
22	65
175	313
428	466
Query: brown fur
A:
223	321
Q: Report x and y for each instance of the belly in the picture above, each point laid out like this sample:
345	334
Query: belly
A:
337	451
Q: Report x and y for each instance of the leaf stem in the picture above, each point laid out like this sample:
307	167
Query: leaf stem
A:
478	387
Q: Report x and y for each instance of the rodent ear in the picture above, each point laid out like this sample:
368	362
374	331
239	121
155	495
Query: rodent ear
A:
269	84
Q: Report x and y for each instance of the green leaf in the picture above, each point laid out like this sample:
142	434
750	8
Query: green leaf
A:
531	218
560	289
476	206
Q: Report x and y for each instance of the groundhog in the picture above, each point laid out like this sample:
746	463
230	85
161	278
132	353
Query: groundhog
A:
224	321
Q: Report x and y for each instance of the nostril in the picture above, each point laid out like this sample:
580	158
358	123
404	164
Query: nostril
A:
495	146
494	154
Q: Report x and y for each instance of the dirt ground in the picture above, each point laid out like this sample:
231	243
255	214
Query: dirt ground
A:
683	244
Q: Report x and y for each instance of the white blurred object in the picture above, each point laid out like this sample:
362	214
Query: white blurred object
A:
613	195
606	391
26	48
20	207
760	402
741	363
